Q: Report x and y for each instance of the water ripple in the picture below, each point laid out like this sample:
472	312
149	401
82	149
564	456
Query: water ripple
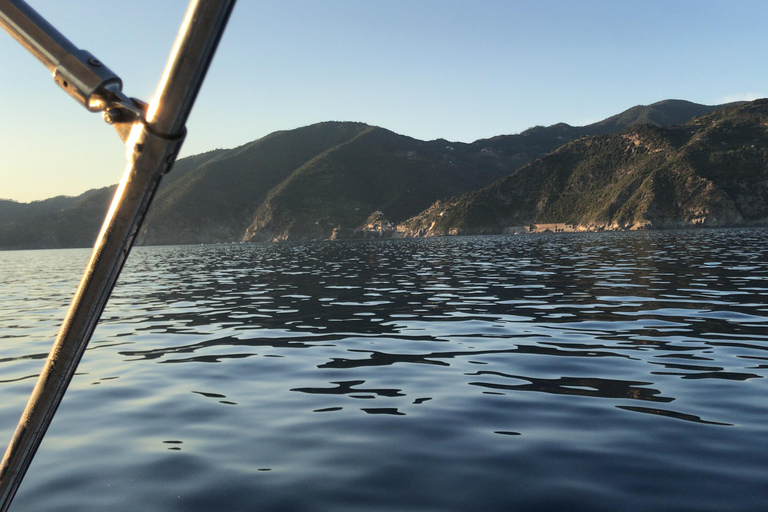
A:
597	371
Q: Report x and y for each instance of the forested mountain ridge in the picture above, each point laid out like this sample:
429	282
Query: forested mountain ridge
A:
711	171
328	180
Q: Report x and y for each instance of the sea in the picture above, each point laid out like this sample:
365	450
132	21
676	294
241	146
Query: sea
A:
619	371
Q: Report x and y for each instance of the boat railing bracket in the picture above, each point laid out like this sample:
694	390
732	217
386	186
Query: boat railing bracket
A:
78	72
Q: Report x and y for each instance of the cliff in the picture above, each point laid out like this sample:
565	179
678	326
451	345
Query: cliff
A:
711	171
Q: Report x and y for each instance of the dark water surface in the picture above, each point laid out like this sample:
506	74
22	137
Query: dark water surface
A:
585	372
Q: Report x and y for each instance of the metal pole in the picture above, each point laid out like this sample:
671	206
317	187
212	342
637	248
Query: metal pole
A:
153	146
79	73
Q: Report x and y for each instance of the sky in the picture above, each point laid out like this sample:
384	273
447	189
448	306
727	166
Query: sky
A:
460	70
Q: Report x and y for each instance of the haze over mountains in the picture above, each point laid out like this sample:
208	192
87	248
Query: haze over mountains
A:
638	169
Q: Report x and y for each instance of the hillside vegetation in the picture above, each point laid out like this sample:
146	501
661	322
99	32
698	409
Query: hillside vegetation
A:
711	171
343	179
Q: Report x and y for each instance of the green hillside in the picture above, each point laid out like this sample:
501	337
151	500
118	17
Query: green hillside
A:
329	180
216	202
712	171
377	170
60	222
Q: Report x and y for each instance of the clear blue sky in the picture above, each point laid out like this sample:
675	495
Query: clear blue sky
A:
455	69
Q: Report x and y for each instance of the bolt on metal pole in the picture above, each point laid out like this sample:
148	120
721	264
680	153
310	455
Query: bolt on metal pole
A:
153	145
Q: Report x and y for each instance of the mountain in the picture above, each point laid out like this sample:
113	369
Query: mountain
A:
662	113
63	222
333	194
711	171
328	180
13	211
538	141
55	223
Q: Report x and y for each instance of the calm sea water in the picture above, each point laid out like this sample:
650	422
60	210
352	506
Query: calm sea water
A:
584	372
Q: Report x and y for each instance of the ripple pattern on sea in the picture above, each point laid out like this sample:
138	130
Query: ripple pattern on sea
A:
579	372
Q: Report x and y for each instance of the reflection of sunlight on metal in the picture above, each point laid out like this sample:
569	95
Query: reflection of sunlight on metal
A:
156	101
124	114
112	208
200	34
153	147
97	104
133	138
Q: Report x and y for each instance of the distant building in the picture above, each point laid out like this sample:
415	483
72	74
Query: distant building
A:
557	227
